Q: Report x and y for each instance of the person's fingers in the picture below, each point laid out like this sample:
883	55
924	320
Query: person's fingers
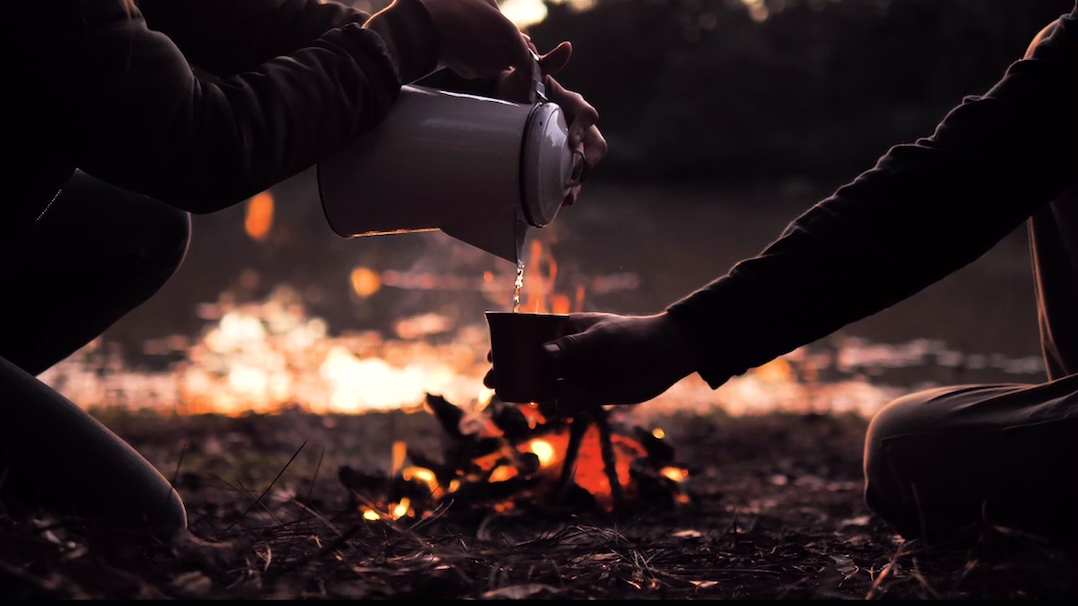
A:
572	355
529	43
488	379
520	56
579	114
570	198
515	85
594	146
556	60
490	355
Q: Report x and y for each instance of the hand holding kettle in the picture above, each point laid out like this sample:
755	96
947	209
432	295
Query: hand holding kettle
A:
472	38
475	39
581	116
483	167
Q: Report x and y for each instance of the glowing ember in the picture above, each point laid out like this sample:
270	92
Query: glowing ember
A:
544	450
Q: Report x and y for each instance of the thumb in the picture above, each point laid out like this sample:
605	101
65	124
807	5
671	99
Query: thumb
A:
556	60
567	356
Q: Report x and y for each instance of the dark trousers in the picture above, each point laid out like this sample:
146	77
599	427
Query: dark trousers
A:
97	253
946	461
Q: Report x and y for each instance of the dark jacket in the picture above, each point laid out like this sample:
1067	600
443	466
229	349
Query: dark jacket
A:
924	211
198	103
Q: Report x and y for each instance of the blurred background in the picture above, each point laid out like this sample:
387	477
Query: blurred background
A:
725	120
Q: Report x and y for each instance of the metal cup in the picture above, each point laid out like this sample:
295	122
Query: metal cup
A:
521	373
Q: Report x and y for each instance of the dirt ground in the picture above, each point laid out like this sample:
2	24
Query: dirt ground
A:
774	511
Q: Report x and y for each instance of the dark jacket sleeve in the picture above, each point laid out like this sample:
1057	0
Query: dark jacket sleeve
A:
141	119
229	36
924	211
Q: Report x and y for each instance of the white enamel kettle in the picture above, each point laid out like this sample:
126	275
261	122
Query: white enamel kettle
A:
482	170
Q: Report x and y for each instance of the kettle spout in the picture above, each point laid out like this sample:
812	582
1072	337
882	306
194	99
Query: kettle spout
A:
501	234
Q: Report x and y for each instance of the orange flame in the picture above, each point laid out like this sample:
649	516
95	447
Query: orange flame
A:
540	275
259	215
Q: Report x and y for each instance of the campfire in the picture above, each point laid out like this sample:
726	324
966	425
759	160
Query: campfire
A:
524	457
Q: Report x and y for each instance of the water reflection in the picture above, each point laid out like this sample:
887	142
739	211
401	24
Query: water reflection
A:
267	355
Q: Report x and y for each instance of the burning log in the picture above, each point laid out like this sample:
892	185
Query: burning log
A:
526	456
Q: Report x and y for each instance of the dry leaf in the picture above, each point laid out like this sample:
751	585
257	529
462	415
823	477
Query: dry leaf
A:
517	592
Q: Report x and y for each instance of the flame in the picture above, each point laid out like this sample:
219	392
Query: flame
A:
395	511
540	273
775	371
676	474
423	475
402	508
400	451
259	215
544	450
365	282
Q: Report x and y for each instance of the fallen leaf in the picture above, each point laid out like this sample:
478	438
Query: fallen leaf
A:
858	521
192	583
517	592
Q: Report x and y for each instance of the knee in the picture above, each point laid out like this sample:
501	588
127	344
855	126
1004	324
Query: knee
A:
169	237
1041	35
171	519
175	233
906	415
885	492
892	420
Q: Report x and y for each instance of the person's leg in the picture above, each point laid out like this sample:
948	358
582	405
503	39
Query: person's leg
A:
945	461
955	457
1053	235
54	455
96	254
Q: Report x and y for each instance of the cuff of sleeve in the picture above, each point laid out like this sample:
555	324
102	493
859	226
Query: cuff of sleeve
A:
700	322
408	31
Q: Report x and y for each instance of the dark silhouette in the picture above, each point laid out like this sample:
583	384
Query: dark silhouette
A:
937	463
124	116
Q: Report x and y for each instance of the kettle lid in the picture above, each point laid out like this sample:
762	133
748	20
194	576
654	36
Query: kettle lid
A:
546	164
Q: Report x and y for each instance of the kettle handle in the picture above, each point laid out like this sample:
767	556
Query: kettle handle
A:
579	174
538	92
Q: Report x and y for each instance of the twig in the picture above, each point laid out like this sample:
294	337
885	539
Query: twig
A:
264	492
610	467
315	477
257	502
577	430
176	473
316	514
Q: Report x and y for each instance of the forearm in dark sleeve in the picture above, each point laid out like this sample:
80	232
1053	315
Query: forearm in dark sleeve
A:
143	121
925	210
229	36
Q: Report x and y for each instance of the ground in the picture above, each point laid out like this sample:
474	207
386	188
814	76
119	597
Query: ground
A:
774	512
